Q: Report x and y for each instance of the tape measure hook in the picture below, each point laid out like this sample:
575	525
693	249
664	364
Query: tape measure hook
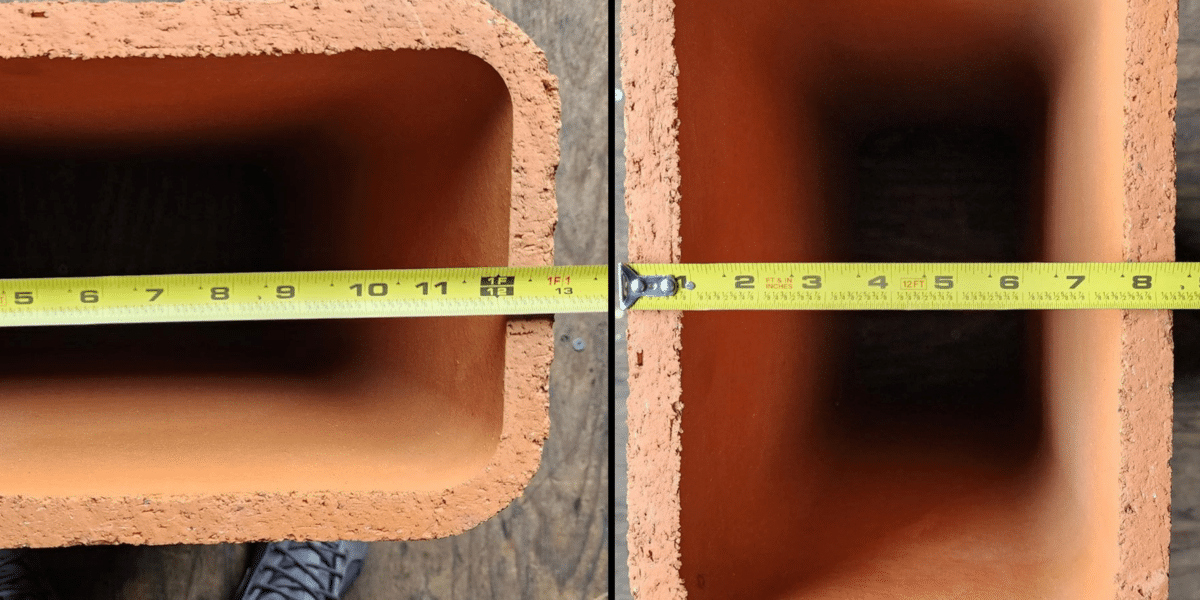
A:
634	286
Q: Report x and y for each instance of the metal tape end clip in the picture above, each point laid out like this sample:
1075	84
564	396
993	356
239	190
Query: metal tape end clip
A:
634	286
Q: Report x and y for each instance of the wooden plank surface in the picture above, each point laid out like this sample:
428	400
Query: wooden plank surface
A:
553	541
621	589
1185	485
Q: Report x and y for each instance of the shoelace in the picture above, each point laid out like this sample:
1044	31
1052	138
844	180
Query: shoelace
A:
15	582
284	580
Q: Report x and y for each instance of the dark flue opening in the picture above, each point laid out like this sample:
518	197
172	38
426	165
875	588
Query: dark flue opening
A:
941	194
203	211
828	454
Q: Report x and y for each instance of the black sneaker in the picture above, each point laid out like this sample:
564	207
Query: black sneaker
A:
19	577
301	571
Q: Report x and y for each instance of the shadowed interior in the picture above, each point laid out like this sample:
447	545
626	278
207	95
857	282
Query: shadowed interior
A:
880	454
360	160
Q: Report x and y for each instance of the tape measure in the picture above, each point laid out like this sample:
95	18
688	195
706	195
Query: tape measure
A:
910	286
303	295
578	289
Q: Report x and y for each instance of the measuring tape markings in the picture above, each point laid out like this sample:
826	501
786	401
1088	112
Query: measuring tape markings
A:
573	289
925	286
304	295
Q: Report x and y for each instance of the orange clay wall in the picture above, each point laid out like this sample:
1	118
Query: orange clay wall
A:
807	454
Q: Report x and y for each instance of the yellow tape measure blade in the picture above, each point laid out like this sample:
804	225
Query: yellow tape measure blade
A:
304	295
922	286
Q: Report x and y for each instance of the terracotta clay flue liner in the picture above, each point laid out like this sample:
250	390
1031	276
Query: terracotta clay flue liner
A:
767	456
407	134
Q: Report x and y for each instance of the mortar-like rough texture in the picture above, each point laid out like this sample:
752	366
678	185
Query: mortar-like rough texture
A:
417	133
757	467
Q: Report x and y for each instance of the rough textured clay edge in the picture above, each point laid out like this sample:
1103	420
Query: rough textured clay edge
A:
648	72
1147	348
222	28
652	198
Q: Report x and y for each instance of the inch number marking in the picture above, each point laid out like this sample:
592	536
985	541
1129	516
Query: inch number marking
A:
292	295
941	282
374	289
424	285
